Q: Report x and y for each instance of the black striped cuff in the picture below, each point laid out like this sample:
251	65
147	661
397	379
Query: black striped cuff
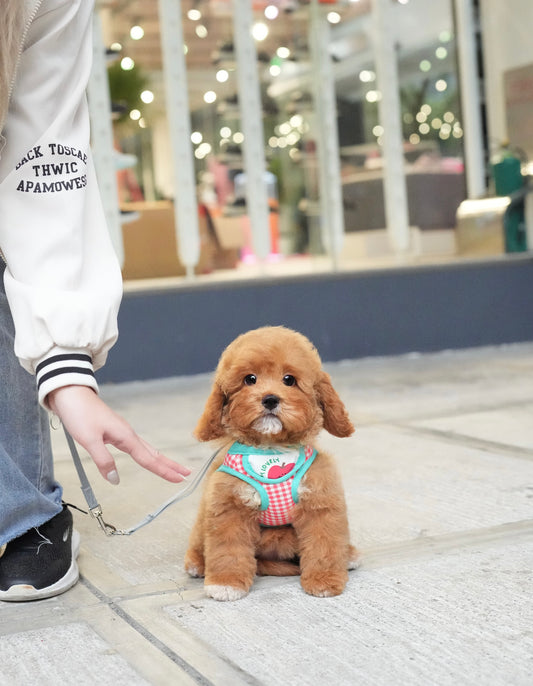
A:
67	369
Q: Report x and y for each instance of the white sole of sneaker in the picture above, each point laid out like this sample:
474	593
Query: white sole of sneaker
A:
24	592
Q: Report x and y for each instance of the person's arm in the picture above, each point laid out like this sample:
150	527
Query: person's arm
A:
62	278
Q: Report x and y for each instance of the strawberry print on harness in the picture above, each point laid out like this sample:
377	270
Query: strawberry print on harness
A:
275	473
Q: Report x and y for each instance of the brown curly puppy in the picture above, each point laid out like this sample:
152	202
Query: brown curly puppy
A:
272	504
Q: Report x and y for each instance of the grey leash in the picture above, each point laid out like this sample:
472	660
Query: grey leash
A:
96	511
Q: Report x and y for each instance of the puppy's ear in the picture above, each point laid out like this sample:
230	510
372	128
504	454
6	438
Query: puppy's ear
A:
336	419
210	423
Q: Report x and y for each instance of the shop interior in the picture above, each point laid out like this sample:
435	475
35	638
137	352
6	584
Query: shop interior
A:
446	220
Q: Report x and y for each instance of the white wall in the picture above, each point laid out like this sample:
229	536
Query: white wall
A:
507	27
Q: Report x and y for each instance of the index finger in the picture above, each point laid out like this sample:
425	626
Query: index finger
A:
154	461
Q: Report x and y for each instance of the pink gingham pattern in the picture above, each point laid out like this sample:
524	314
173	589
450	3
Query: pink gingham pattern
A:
280	501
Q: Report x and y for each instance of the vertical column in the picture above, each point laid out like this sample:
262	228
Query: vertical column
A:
102	139
186	206
331	207
252	126
470	99
394	183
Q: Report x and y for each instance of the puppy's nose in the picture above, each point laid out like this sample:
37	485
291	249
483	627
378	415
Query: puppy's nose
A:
270	402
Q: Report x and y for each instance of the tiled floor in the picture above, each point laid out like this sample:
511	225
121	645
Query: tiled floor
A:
439	482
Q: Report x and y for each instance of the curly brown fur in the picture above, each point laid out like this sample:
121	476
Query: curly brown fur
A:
228	546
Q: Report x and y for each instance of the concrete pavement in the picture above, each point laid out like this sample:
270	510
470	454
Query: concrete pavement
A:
439	483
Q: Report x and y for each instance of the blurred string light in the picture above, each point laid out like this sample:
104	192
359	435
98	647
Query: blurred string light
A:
116	47
367	76
194	14
201	31
147	97
333	17
373	96
222	75
136	32
225	132
271	11
289	133
210	96
127	64
196	137
259	31
202	151
135	115
283	52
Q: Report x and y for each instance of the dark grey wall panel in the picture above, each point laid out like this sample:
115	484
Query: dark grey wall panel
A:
182	331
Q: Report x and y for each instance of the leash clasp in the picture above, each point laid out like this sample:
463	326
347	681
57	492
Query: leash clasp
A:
108	529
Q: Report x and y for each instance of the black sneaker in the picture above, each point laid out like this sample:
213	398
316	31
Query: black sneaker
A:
42	562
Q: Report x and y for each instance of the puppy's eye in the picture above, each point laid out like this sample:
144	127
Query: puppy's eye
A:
250	379
289	380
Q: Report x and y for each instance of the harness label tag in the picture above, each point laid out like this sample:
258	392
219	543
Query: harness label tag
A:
273	466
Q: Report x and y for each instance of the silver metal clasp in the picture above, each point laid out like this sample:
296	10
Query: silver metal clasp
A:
108	529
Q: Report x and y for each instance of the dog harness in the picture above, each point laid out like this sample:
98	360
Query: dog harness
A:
275	473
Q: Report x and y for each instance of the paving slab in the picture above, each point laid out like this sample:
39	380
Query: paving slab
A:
437	621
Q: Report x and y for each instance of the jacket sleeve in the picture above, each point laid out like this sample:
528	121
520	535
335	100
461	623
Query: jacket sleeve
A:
62	278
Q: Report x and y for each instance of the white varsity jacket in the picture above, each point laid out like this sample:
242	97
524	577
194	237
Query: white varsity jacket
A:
62	278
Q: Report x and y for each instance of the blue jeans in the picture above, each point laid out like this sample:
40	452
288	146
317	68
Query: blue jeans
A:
29	495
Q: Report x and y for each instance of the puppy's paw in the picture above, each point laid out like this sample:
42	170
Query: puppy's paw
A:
225	592
354	557
194	564
324	584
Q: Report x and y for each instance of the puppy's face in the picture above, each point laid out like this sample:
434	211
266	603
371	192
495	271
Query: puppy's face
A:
270	394
270	389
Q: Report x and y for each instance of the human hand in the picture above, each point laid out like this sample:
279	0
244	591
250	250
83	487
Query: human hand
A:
93	425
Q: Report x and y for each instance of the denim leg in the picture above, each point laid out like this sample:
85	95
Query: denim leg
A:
29	495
